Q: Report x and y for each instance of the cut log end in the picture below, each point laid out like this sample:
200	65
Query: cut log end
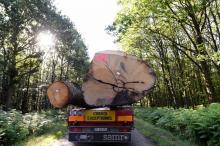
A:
58	94
116	78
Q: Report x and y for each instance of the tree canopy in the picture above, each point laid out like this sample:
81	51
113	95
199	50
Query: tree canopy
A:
181	39
25	69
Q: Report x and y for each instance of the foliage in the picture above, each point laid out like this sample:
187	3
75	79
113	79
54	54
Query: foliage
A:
38	123
12	127
55	132
181	41
200	125
159	136
16	127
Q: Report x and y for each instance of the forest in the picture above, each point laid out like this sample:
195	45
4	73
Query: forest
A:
26	69
181	40
38	45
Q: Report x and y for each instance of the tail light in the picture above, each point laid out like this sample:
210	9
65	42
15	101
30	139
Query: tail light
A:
76	129
124	130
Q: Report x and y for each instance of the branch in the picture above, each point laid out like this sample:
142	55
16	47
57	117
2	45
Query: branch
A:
177	44
33	70
183	27
171	40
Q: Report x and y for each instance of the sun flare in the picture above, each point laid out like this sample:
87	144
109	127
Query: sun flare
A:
46	41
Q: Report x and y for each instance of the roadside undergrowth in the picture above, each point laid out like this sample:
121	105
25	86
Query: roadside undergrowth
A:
55	132
160	137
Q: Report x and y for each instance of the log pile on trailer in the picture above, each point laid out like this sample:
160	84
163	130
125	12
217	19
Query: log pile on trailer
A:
114	79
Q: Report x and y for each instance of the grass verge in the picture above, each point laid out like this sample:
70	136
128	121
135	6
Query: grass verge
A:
160	137
56	131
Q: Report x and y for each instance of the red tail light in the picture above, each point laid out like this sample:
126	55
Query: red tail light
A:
76	129
124	112
124	130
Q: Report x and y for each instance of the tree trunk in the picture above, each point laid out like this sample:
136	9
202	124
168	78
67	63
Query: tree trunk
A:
210	90
25	98
9	88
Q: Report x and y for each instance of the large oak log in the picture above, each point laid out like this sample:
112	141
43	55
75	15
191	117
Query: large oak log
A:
62	93
115	78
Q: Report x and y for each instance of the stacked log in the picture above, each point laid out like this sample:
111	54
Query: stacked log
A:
114	79
62	93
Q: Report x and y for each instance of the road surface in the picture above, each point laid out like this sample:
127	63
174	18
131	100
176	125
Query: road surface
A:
137	140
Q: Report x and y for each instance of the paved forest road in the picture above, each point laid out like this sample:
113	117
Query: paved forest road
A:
137	140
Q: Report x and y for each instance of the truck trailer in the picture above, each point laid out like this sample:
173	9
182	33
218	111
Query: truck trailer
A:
101	124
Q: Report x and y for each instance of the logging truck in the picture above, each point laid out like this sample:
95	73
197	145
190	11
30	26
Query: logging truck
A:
114	81
101	124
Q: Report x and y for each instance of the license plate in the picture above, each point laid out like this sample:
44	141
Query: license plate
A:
95	116
115	137
100	137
